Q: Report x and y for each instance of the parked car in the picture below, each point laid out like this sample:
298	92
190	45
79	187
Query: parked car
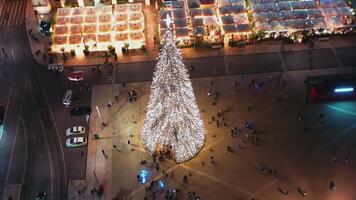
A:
75	130
78	111
41	196
76	76
76	142
2	113
67	99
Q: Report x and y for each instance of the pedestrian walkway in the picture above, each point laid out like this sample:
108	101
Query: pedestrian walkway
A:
31	22
13	13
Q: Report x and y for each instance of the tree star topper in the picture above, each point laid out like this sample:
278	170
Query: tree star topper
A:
168	21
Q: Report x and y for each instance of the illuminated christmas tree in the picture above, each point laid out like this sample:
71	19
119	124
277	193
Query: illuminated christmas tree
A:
172	120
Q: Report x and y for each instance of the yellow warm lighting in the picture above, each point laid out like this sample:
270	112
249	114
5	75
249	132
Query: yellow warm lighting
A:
98	28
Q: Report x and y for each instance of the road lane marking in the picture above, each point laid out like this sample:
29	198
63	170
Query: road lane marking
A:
13	13
344	132
264	188
26	151
12	151
340	110
48	152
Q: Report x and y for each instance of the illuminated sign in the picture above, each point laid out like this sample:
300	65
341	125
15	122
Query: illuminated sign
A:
343	89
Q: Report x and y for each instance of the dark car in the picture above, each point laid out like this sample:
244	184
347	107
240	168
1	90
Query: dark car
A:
41	196
78	111
2	111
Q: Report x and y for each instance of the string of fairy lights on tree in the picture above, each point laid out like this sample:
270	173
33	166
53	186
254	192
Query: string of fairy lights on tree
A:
172	120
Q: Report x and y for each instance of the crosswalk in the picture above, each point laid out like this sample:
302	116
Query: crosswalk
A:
13	13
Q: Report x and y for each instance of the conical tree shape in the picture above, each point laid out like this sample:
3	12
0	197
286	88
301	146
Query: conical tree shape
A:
172	120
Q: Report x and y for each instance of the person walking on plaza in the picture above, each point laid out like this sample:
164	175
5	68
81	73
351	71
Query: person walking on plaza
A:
347	158
332	186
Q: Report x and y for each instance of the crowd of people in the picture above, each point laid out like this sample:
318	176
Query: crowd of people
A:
247	132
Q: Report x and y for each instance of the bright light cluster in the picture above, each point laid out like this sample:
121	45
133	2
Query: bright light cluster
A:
172	120
99	27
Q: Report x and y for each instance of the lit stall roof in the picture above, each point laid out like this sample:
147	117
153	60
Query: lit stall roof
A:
121	8
208	12
121	37
136	36
135	26
90	10
243	28
181	32
122	17
75	29
88	38
211	20
90	19
277	26
58	40
195	12
174	4
76	20
77	11
225	10
227	19
197	22
121	27
240	18
179	13
90	28
199	31
193	3
162	14
135	7
284	6
106	37
136	17
105	18
63	20
104	28
60	30
180	23
230	28
105	9
63	12
75	39
207	2
237	9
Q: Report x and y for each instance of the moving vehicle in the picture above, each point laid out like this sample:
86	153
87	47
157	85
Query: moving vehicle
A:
75	130
67	99
330	87
2	113
76	142
78	111
76	76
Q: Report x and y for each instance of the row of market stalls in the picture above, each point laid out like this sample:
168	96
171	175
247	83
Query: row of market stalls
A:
99	27
205	21
292	15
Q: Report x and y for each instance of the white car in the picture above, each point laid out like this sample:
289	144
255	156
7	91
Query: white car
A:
76	142
75	130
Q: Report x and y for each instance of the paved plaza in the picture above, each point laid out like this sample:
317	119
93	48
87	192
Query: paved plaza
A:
302	159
